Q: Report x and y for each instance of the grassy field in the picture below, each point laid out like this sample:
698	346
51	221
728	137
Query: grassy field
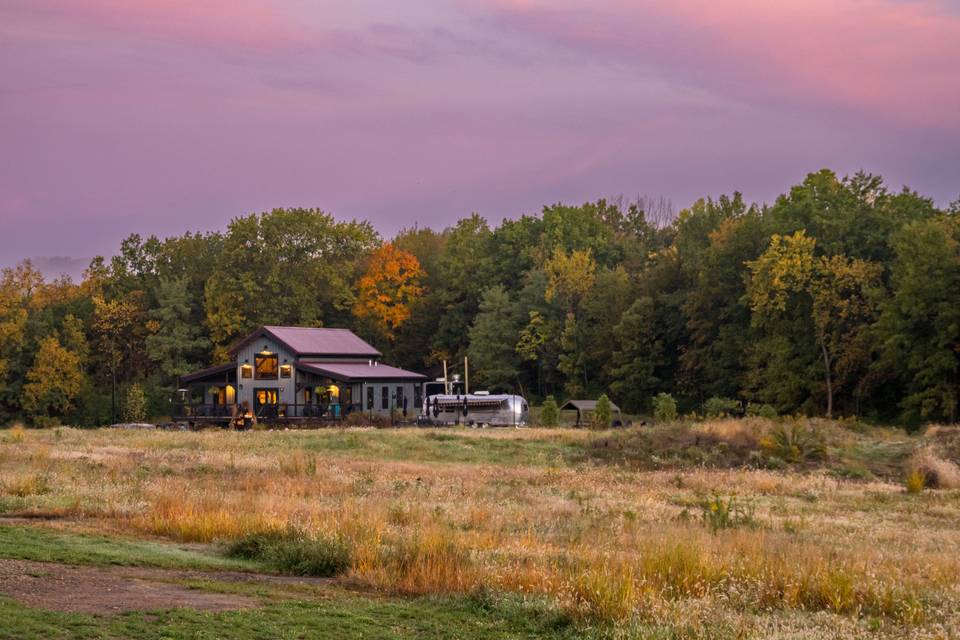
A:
722	529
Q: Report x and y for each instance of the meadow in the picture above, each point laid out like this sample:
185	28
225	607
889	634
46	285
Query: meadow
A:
715	529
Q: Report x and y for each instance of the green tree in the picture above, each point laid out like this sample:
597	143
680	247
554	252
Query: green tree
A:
639	362
285	267
176	343
53	383
493	359
603	413
461	278
664	407
716	316
842	296
549	413
920	322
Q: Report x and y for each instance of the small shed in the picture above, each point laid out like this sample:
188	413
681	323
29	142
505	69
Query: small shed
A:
585	408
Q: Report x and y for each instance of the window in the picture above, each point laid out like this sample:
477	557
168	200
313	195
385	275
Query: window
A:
400	397
266	396
370	397
308	396
384	397
265	365
286	371
246	371
417	396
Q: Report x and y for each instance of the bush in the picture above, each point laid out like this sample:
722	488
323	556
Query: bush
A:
603	414
294	552
664	407
728	514
915	481
794	443
717	407
762	411
549	413
936	472
17	433
135	407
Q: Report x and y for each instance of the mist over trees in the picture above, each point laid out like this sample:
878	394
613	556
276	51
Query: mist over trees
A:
841	298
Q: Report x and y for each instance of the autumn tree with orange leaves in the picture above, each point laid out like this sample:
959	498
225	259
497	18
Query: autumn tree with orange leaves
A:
387	289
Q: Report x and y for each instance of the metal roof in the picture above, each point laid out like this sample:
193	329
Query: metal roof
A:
314	341
585	405
214	373
350	371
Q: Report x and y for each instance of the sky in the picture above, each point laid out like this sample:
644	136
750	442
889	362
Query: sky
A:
163	116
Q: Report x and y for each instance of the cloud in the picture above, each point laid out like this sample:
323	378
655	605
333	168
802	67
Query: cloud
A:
224	25
893	59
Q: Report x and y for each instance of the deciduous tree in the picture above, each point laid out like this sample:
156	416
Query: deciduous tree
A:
388	288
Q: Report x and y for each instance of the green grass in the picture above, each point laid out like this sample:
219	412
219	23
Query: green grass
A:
34	543
340	616
453	445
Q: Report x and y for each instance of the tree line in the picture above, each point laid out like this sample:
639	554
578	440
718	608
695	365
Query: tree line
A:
842	298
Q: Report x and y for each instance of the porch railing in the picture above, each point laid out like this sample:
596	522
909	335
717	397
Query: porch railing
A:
283	411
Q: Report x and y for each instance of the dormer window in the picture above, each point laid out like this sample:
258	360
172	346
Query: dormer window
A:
266	366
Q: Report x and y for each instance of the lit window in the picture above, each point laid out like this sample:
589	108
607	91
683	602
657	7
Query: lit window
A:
246	371
286	371
266	365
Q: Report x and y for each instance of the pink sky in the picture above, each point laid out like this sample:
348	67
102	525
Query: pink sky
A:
160	116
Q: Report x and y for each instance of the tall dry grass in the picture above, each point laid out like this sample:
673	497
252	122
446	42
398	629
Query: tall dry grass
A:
604	543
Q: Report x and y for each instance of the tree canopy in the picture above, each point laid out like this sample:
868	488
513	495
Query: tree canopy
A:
840	298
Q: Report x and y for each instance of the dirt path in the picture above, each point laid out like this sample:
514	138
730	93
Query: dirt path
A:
106	590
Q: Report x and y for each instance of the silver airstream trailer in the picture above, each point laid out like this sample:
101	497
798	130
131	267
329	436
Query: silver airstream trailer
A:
476	409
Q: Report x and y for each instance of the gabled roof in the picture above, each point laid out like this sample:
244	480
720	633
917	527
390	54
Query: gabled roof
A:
314	341
584	405
356	371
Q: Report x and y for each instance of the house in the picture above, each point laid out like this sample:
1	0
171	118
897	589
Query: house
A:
300	373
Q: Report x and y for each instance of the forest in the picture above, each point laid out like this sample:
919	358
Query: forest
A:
842	298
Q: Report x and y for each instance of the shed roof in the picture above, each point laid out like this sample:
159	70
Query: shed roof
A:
314	341
584	405
356	371
211	374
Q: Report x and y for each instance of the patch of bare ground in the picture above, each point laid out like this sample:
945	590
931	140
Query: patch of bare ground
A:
111	590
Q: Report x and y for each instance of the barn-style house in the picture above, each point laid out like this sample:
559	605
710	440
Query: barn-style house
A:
299	373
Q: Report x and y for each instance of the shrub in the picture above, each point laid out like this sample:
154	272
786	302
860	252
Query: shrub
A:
717	407
29	485
664	407
728	514
549	413
937	472
762	411
135	407
794	443
295	552
17	433
603	414
915	481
